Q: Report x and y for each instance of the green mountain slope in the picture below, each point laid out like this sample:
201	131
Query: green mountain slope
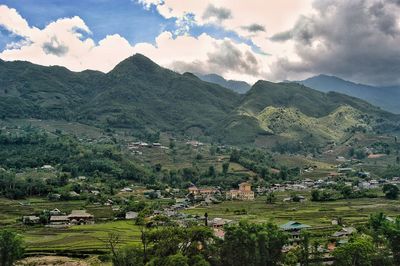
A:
293	112
28	90
235	85
137	94
385	97
144	98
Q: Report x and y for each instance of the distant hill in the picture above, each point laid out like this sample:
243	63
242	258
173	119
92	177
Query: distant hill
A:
144	99
387	98
137	94
291	112
235	85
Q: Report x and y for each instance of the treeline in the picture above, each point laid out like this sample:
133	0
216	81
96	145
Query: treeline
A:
377	243
261	162
34	149
244	244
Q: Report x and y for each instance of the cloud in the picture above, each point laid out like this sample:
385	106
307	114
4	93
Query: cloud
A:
55	47
204	54
64	42
357	40
254	27
233	15
67	42
217	13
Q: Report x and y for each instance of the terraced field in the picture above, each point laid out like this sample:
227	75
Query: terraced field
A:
317	214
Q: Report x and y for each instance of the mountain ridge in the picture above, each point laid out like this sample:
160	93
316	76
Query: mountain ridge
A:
235	85
144	98
385	97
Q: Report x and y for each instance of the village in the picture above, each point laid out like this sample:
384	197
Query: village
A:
183	203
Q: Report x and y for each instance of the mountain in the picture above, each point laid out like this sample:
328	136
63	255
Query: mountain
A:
385	97
137	94
235	85
143	99
290	112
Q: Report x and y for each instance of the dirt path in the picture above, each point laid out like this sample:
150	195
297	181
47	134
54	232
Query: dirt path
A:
56	261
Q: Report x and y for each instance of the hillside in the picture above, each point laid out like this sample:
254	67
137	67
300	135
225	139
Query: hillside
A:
143	99
137	94
292	112
385	97
234	85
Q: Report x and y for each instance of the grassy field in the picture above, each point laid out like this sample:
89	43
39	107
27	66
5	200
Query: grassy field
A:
92	238
317	214
84	238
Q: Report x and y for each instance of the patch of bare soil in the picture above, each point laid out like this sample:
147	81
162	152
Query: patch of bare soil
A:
51	261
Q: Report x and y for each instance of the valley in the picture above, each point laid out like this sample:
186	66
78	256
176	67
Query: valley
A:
145	150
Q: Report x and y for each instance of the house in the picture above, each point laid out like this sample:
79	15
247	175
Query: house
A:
30	219
345	170
126	189
81	217
218	223
131	215
47	167
344	232
294	229
296	198
203	192
55	212
115	208
59	221
73	194
194	190
95	192
243	193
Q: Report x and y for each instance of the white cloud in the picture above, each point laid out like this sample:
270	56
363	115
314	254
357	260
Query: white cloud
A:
205	54
62	42
67	42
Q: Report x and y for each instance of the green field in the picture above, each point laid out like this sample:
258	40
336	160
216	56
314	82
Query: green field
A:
317	214
84	238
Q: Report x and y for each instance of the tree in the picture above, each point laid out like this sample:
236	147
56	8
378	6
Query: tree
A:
271	198
177	260
304	249
11	247
392	233
225	168
359	252
253	244
211	171
391	191
315	195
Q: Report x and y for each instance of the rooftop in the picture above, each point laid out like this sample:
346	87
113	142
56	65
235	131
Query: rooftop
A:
293	225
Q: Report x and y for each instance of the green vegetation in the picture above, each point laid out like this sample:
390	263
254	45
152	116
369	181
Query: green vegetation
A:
145	99
252	244
11	248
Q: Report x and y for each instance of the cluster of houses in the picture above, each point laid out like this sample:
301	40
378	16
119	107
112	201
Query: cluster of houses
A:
243	193
194	143
60	219
136	147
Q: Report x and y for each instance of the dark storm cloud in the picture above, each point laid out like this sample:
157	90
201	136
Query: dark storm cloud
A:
356	39
254	28
230	58
54	47
218	13
226	58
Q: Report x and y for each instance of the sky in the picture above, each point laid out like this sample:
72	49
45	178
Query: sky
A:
358	40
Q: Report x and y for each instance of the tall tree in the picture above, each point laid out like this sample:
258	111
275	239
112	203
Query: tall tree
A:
11	247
